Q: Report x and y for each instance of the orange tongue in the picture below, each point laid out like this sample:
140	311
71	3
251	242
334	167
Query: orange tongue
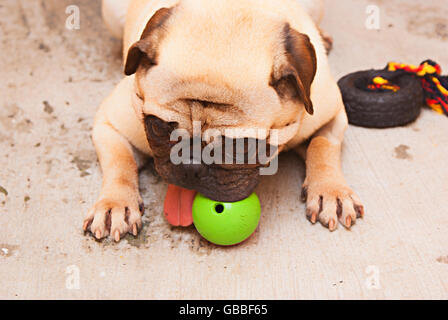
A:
178	206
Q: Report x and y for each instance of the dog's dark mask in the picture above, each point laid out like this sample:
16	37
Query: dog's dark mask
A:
219	182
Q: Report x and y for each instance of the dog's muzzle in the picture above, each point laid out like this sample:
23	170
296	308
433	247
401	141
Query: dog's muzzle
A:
219	182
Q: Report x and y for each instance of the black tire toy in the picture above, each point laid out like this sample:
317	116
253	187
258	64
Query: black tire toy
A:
381	108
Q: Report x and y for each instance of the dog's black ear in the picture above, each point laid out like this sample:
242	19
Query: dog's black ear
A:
295	70
147	46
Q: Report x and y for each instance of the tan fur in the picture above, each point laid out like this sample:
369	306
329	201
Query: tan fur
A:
223	52
208	77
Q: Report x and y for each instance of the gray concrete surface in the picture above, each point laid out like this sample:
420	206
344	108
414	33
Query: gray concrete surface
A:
52	80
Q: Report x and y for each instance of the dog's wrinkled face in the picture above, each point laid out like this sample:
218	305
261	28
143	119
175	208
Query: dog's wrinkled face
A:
234	70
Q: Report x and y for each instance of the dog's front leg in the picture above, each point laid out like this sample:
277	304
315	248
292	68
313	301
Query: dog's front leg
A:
119	207
327	195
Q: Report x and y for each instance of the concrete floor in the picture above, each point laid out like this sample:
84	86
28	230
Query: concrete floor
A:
52	80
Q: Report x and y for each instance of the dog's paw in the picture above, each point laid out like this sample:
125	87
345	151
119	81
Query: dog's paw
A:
114	217
330	202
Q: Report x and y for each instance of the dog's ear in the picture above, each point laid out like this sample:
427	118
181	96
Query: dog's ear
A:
295	68
147	46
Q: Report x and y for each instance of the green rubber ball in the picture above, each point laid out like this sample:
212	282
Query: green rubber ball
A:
226	223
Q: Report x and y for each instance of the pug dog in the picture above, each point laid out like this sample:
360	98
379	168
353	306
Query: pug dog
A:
225	64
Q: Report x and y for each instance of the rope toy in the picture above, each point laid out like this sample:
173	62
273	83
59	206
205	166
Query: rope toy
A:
434	85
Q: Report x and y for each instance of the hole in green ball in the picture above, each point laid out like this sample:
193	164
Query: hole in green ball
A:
219	208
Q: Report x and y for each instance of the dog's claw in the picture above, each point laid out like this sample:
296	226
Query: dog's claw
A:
117	236
331	225
134	230
348	222
85	225
98	234
360	211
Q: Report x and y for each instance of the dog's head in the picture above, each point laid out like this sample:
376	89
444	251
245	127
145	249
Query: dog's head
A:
225	67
